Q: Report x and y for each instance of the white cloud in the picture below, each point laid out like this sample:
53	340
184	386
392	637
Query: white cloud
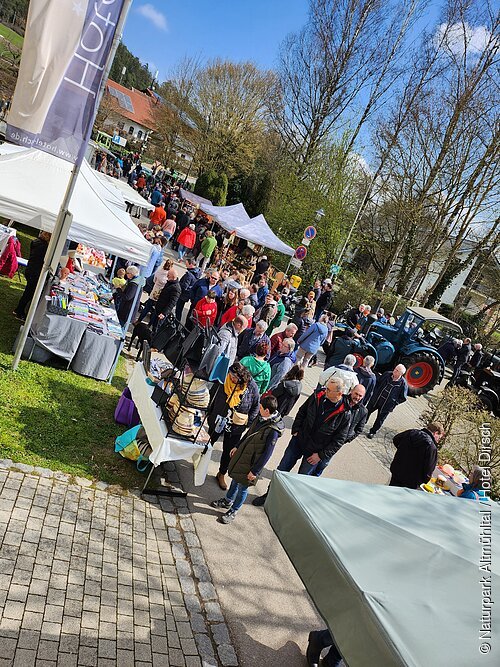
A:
459	36
149	12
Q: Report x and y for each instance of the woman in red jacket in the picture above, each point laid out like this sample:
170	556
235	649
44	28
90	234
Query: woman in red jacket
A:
187	239
205	311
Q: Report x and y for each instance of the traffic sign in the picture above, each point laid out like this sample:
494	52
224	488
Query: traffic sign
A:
305	242
301	253
295	262
310	232
334	269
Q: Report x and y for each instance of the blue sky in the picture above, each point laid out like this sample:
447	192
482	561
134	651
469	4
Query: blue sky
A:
161	32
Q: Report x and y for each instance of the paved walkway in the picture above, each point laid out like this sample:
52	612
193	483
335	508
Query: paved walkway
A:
92	576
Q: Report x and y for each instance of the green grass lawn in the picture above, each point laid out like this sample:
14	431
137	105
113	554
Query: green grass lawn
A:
55	418
11	36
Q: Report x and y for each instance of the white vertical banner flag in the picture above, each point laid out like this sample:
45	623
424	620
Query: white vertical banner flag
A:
66	47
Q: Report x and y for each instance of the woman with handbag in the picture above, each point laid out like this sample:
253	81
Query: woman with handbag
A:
233	409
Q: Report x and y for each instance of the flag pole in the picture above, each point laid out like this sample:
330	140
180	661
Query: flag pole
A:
64	218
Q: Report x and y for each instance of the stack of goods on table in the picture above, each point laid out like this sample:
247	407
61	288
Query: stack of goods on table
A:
87	298
446	479
184	400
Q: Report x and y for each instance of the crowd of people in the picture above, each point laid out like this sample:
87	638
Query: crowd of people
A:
267	361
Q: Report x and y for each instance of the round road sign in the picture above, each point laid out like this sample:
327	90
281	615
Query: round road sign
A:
301	252
310	232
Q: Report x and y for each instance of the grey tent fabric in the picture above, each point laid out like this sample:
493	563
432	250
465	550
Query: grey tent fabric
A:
394	572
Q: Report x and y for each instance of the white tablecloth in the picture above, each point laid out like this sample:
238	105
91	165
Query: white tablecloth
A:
165	448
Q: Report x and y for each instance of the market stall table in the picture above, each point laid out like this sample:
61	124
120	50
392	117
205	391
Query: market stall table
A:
88	342
165	446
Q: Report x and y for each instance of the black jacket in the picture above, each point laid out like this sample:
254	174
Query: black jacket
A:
368	379
287	393
324	300
463	354
340	347
38	248
476	359
321	433
262	266
168	297
187	281
359	415
388	394
415	458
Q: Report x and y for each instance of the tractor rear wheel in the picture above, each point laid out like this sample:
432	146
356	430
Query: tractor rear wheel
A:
422	372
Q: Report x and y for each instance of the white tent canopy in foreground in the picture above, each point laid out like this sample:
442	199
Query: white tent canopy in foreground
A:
32	187
235	219
395	573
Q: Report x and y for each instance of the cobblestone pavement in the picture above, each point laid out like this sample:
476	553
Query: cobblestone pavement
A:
94	576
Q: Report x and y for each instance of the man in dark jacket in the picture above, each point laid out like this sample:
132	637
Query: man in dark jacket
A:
168	296
359	413
477	356
319	430
250	338
130	299
340	347
354	315
367	377
448	350
416	455
261	267
38	248
323	303
200	289
463	355
390	391
187	281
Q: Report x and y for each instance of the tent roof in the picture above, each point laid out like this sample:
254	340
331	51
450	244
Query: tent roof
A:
128	193
235	219
194	199
394	572
32	186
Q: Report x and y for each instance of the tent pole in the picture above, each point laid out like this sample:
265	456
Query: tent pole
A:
63	221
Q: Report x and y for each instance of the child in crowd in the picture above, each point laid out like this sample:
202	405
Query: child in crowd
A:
205	310
119	281
250	456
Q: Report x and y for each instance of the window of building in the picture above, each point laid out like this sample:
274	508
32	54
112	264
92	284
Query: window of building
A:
139	134
131	129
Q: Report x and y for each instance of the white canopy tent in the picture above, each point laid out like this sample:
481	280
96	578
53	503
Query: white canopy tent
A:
194	199
109	189
128	194
32	187
235	219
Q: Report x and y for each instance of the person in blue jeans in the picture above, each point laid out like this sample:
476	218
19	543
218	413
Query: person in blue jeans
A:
319	430
250	456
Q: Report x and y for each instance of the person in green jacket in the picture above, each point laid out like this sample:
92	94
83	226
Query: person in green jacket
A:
250	456
208	246
258	366
280	314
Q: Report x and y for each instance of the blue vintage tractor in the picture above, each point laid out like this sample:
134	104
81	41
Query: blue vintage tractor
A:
409	342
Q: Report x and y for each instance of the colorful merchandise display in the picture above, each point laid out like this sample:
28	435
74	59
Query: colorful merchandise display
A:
87	298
